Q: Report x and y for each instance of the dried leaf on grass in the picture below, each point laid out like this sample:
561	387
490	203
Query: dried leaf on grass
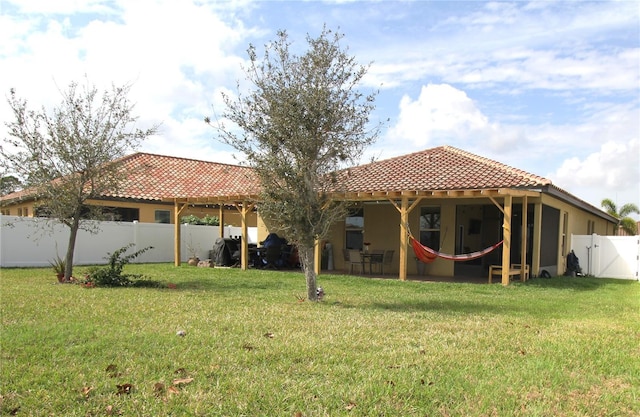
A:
182	381
86	391
158	389
124	389
112	411
112	371
269	335
350	406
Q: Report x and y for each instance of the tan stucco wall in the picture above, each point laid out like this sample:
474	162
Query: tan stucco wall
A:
578	218
577	224
147	211
382	230
231	216
19	209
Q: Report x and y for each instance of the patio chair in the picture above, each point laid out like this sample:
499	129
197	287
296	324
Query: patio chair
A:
355	259
375	260
345	259
386	260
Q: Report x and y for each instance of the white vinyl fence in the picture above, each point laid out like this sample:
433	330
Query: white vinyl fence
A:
608	256
30	241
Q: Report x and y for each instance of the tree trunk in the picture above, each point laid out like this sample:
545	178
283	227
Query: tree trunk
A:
73	233
307	261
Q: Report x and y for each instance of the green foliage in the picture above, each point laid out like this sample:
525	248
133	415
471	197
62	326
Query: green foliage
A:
207	220
305	119
112	275
71	153
58	264
625	222
9	184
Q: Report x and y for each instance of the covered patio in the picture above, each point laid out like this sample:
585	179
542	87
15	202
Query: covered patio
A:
393	193
403	201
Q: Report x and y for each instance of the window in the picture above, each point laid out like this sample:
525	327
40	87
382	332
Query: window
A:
354	226
163	216
123	214
430	227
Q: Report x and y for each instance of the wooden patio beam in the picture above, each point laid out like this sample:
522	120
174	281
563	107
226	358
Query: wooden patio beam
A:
243	209
506	236
523	244
177	238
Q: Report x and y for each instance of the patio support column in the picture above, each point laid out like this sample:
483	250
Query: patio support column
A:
244	241
523	244
177	238
506	235
316	257
221	219
404	221
404	210
537	236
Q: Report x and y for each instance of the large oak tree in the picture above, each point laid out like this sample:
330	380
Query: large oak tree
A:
304	119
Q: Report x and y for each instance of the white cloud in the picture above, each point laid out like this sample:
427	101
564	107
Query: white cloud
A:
614	167
610	172
443	114
175	55
59	6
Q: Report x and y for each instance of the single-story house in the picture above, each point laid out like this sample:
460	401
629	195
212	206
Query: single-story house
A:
450	200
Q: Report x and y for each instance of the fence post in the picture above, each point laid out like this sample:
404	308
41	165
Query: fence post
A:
135	235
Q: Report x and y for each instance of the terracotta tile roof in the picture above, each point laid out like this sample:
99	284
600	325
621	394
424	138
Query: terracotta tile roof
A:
441	168
155	177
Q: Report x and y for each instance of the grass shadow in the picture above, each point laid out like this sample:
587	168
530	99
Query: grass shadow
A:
572	283
451	307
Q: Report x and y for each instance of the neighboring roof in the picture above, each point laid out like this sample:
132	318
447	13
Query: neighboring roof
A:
438	169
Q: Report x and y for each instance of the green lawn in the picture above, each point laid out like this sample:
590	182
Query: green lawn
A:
554	347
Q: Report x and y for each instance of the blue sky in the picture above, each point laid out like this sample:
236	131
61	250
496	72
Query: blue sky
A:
549	87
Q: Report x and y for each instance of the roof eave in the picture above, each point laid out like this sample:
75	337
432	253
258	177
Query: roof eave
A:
575	201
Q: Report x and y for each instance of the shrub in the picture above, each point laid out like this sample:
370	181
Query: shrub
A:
206	220
58	264
112	274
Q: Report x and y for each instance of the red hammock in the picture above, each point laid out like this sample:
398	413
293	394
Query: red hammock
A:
428	255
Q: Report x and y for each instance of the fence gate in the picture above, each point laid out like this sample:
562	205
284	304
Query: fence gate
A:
608	256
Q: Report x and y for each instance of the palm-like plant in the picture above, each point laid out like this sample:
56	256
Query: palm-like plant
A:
625	222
